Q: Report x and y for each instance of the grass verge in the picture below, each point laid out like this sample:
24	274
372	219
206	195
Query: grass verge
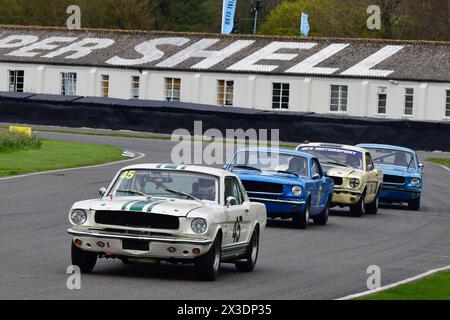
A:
157	137
54	155
442	161
434	287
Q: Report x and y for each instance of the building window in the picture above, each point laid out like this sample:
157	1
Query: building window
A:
280	96
339	95
105	86
173	89
135	84
225	91
409	101
447	105
382	100
68	84
16	80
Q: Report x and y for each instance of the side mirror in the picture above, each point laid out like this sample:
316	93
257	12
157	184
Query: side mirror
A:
421	165
102	192
370	167
225	167
231	201
316	176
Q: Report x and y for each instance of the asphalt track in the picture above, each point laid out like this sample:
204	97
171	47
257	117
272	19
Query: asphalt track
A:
320	263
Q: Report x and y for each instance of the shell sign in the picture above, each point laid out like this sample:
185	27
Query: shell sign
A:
190	52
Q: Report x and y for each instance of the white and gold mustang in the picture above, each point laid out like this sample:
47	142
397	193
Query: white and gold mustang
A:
357	183
159	212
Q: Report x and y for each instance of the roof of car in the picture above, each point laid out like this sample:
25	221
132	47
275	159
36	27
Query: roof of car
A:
385	146
175	167
278	150
333	145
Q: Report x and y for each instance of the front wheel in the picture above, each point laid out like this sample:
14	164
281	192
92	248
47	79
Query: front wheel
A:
372	208
414	204
251	256
322	218
208	265
85	260
357	210
301	220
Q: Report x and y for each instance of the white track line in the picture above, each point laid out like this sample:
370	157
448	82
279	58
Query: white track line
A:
393	285
141	155
444	167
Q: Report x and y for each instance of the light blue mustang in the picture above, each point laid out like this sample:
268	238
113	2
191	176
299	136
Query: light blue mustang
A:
403	176
291	184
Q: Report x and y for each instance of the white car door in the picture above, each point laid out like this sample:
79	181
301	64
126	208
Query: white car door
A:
235	212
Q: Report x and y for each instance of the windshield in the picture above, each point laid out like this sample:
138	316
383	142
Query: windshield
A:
393	157
271	162
166	184
332	157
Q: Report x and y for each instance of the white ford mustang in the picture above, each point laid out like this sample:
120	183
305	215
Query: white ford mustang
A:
164	212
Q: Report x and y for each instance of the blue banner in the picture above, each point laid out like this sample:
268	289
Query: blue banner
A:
229	10
304	29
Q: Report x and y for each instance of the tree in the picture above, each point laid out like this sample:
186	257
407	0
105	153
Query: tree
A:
332	18
401	19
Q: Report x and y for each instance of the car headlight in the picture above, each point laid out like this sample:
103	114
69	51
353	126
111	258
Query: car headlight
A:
199	225
297	191
354	183
416	182
78	217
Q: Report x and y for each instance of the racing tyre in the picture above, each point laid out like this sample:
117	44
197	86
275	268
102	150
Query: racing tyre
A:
322	218
85	260
414	204
372	208
251	256
301	220
208	265
357	210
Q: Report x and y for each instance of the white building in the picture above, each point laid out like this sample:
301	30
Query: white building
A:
373	78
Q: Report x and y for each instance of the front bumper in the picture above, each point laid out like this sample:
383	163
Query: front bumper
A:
398	194
111	243
345	197
280	207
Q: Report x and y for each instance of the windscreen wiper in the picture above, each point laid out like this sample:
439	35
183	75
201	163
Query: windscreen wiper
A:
247	167
341	164
182	194
135	192
287	172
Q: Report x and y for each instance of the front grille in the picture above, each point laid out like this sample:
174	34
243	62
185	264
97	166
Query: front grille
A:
394	179
137	220
263	187
337	181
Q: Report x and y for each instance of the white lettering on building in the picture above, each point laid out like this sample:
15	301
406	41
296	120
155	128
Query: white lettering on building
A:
46	44
364	68
308	66
149	51
16	41
269	52
198	50
82	48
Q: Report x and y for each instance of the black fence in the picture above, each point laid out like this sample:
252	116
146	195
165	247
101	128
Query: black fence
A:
165	117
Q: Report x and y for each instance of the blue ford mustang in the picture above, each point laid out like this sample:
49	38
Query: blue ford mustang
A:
403	176
291	184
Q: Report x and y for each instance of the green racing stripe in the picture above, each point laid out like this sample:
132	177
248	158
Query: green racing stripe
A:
149	209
